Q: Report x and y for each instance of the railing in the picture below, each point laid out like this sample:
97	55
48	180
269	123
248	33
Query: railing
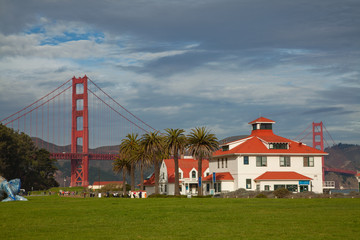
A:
329	184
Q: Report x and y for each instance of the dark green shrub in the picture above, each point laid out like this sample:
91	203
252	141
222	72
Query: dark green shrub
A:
261	195
281	193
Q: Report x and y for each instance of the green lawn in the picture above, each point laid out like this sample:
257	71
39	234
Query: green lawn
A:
53	217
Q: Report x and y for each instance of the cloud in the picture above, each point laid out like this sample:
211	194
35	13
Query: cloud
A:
186	64
332	110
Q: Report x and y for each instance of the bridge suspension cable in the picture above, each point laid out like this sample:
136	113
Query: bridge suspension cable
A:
121	105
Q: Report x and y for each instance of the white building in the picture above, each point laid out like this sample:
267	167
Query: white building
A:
188	177
264	161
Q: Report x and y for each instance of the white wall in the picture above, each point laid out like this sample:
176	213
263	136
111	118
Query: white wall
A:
251	171
241	172
227	186
149	190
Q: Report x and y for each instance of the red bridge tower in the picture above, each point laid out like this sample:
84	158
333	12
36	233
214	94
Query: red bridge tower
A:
80	132
318	141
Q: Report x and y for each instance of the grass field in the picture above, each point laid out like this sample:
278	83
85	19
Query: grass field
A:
53	217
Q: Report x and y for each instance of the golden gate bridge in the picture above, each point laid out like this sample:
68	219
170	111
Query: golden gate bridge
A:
47	120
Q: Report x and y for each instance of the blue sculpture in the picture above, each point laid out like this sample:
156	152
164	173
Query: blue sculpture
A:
10	189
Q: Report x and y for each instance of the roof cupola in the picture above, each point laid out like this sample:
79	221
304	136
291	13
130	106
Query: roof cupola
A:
261	124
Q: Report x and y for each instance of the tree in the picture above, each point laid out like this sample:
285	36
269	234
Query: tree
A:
175	143
128	148
121	164
144	161
153	143
201	144
20	158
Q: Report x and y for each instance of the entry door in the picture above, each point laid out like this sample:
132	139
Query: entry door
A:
304	188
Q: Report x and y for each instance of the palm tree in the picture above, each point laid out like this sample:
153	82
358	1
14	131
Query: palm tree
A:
201	144
175	143
153	144
144	161
122	164
129	147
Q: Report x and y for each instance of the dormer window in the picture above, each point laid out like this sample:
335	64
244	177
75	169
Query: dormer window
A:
193	174
278	146
225	148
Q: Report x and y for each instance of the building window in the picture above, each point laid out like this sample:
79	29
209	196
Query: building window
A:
222	163
261	161
180	175
217	187
225	148
248	183
292	188
285	161
267	188
257	187
207	187
193	174
225	162
163	176
278	186
266	126
246	160
308	161
278	146
165	187
218	163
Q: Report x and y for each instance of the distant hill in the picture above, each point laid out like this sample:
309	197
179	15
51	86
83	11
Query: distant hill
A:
343	156
67	148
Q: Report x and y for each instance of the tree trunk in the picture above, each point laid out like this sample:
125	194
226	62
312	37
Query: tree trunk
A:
199	177
132	173
141	175
176	161
157	173
124	181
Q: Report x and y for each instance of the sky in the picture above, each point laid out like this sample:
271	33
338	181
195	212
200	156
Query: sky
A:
185	64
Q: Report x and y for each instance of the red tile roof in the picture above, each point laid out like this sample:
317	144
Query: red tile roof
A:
282	176
257	143
221	176
150	181
262	120
358	175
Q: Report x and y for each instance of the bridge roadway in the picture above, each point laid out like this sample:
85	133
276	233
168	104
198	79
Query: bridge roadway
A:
342	171
92	156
